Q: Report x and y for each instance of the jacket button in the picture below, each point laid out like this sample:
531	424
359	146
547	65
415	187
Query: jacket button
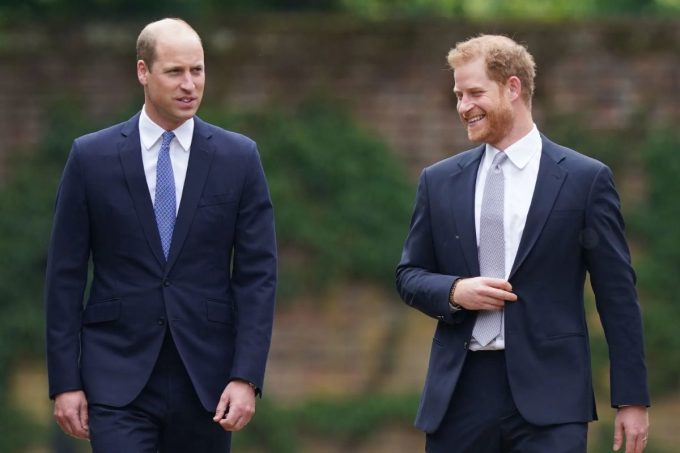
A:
161	321
166	283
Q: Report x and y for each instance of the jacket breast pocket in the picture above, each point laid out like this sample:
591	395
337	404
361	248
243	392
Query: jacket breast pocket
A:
217	199
566	223
567	214
98	312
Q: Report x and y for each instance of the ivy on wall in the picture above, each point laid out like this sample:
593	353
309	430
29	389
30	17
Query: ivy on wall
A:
342	199
342	203
26	202
645	161
375	9
655	223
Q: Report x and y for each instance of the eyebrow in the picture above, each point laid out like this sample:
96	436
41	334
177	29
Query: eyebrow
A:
179	67
472	88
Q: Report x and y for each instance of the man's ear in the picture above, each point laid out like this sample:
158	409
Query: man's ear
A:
142	71
514	87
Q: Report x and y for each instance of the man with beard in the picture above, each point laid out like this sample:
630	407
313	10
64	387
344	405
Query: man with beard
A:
500	242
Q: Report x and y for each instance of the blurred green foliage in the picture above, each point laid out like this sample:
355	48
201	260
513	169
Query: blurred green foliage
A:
341	198
655	224
348	421
515	9
469	9
26	204
642	150
342	202
68	9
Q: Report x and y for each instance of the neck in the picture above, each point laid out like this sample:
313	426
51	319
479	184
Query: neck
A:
521	126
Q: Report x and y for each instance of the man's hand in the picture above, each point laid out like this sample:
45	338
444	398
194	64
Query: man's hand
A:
633	423
236	406
70	411
483	293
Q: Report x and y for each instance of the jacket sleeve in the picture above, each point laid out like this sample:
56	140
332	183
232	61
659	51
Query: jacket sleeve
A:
613	282
66	278
254	275
419	282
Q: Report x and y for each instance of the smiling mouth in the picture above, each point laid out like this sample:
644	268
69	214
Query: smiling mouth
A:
186	100
474	119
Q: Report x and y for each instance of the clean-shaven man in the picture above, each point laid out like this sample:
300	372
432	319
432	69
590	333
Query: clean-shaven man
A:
169	351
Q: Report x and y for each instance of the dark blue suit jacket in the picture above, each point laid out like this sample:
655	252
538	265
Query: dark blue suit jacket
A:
574	226
215	292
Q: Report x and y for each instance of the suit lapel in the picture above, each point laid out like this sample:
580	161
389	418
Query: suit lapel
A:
462	190
131	159
200	158
548	184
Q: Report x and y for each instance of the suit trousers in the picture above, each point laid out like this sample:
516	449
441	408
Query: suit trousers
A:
167	416
483	418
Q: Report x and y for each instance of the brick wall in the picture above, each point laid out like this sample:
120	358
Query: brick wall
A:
394	77
392	74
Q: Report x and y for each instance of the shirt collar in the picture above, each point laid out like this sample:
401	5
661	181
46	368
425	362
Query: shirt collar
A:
522	151
150	132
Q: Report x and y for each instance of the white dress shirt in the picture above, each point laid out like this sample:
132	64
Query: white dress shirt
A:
150	137
520	171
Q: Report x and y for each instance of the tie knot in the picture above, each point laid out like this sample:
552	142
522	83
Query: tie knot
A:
167	138
498	161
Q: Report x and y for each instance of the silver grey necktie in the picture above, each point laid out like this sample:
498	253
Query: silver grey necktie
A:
491	246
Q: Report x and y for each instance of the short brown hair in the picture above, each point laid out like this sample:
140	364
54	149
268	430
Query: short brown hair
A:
504	58
148	37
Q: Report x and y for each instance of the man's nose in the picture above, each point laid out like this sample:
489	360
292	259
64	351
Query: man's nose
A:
464	104
188	82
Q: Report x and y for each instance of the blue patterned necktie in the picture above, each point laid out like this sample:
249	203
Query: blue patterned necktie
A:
165	204
491	246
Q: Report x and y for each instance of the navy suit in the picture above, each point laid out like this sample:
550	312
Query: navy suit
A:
574	226
215	292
